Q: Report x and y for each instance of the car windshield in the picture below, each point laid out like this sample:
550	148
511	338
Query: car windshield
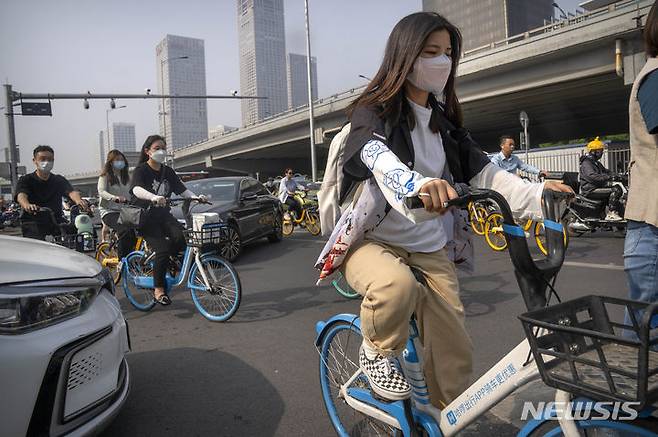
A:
216	191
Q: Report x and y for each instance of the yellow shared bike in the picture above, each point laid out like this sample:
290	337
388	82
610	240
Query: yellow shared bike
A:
309	218
495	237
107	254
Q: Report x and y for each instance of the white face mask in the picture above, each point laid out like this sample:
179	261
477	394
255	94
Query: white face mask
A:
431	74
45	166
159	156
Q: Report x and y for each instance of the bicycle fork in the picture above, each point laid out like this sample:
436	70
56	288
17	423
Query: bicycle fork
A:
197	261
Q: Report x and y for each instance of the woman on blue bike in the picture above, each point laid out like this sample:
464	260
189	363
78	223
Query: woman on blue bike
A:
407	140
152	184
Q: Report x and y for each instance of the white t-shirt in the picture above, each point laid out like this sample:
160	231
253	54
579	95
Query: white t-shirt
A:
430	159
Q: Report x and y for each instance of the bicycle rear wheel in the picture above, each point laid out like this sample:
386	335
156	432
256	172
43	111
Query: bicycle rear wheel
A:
312	223
339	358
106	255
221	301
540	238
493	232
477	216
343	288
134	266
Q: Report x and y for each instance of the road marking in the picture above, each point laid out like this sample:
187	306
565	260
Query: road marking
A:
321	241
594	266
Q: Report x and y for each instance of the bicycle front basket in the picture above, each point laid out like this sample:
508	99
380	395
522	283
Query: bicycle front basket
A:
603	348
211	233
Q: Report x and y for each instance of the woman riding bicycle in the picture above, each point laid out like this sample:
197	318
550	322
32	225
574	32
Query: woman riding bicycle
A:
152	184
114	190
287	189
407	140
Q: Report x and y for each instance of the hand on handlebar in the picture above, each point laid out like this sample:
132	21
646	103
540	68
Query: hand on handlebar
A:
435	193
559	187
31	208
202	198
159	200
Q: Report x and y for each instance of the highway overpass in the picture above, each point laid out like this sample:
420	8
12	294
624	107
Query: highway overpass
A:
572	77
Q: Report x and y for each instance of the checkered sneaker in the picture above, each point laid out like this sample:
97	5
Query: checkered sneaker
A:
385	378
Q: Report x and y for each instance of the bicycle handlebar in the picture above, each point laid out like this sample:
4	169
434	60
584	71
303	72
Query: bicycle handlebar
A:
532	276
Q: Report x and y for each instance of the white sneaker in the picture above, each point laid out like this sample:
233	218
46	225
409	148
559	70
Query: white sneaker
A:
385	378
612	216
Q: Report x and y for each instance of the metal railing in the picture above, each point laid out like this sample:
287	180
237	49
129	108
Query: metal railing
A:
555	26
614	159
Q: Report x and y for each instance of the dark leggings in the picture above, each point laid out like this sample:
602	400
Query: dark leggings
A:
293	205
164	235
125	235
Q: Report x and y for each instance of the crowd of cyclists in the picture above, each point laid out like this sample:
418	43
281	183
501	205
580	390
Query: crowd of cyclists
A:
407	140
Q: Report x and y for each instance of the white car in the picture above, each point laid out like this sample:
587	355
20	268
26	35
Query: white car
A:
63	342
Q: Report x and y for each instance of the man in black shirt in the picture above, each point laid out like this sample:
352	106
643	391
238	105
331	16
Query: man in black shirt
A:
44	189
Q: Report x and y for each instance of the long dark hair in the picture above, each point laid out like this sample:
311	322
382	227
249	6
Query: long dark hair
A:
405	44
110	172
143	156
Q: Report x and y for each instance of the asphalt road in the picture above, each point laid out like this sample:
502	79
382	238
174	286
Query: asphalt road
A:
257	375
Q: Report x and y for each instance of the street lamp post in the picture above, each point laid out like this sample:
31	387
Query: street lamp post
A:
314	165
163	112
107	124
524	119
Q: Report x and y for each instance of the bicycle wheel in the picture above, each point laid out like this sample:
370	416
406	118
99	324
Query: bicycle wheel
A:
493	232
312	223
287	227
343	288
106	255
134	266
540	238
221	301
478	217
339	357
601	428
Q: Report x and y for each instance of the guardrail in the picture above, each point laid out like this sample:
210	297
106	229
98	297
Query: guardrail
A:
615	160
557	25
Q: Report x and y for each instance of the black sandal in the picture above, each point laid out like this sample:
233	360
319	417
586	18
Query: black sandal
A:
163	300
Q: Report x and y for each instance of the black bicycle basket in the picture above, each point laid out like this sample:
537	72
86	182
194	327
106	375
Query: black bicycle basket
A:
209	234
584	346
83	242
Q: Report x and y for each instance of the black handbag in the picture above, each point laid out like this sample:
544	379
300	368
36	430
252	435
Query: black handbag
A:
134	216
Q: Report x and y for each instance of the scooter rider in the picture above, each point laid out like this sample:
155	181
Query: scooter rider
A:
595	180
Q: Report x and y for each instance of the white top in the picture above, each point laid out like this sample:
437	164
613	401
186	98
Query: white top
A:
430	159
287	184
108	193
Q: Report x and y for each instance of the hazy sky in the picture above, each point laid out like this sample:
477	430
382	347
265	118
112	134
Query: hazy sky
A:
75	46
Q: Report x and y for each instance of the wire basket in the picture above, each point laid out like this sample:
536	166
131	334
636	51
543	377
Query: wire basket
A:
211	233
603	348
83	242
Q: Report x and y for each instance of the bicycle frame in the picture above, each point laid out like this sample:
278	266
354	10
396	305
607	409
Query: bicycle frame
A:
513	371
192	254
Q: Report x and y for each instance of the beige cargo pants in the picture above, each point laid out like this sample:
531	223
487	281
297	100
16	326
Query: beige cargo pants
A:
391	294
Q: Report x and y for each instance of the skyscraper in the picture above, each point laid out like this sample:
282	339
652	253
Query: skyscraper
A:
482	22
181	66
261	33
298	80
122	137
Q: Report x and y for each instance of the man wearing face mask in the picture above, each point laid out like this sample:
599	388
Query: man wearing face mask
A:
595	179
44	189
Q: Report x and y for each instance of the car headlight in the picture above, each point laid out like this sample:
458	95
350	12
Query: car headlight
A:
34	305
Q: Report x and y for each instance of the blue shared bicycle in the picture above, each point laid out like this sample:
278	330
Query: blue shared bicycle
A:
213	282
580	347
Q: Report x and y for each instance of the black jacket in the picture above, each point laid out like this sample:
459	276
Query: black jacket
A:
593	174
464	156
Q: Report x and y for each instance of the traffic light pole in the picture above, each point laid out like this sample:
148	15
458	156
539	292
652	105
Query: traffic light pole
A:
11	137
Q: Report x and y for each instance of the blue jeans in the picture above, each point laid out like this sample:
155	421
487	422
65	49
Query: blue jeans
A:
641	264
